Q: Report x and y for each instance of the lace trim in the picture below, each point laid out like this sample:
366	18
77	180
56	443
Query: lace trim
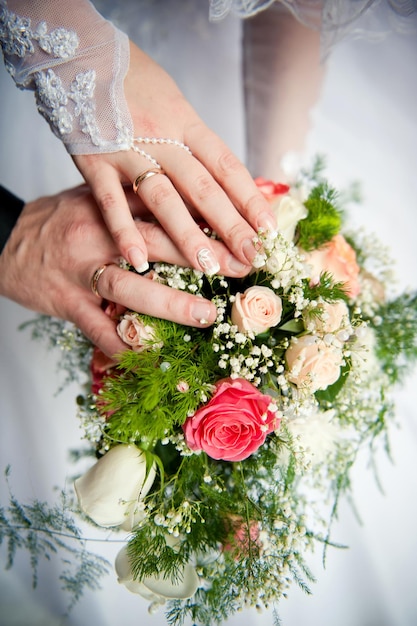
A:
52	100
17	36
64	91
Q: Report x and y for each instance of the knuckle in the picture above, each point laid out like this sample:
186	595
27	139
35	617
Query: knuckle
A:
235	232
121	237
254	205
106	202
178	306
95	334
204	188
117	284
228	163
161	192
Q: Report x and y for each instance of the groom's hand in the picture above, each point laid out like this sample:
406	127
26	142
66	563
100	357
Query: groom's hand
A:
60	241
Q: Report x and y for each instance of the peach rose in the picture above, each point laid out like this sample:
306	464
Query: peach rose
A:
374	286
331	317
313	364
256	310
135	333
339	259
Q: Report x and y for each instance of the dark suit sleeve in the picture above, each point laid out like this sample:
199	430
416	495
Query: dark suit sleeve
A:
10	209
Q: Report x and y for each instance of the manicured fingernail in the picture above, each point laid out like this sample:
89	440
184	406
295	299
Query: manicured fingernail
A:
137	259
208	261
201	312
236	266
267	222
248	249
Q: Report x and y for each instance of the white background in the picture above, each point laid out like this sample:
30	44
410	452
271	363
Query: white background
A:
365	122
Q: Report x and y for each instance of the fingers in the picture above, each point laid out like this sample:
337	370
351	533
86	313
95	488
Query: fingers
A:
232	176
203	192
161	248
98	327
105	184
205	180
141	294
162	199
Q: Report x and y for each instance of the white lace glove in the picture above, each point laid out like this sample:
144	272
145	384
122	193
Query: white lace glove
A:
102	95
72	59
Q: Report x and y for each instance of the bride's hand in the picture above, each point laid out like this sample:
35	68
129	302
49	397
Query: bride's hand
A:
211	179
57	245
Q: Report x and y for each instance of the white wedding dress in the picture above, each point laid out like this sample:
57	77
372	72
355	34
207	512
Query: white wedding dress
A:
365	122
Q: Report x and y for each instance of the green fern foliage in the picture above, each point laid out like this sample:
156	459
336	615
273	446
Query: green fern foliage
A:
44	532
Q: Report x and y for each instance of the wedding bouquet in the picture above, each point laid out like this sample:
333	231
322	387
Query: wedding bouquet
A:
224	451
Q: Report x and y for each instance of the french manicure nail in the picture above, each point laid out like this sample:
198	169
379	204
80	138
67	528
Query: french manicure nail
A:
236	266
136	258
267	222
208	261
201	312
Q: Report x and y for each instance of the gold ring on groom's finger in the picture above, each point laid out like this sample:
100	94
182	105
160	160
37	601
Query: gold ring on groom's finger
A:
96	278
144	175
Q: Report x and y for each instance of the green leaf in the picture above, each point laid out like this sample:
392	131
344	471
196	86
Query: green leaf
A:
293	326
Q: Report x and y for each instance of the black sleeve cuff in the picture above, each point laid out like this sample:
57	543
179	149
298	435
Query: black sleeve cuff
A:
10	209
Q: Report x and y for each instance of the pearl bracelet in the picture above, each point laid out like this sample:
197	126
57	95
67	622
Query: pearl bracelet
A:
161	140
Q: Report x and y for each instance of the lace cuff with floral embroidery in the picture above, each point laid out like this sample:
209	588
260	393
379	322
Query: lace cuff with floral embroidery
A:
75	61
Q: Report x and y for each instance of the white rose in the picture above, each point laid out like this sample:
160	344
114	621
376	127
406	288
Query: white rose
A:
109	492
289	210
256	310
157	588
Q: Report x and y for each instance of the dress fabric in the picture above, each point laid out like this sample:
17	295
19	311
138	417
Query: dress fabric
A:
335	19
365	122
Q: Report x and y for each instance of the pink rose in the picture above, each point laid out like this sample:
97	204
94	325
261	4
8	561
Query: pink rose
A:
339	259
233	424
270	189
135	333
256	310
312	363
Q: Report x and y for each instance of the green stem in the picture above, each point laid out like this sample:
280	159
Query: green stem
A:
57	533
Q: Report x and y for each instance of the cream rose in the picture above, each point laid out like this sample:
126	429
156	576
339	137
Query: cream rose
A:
329	317
110	490
256	310
289	210
156	588
135	333
312	363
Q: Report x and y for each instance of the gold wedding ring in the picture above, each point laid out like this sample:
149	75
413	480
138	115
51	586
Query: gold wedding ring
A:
96	278
144	175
